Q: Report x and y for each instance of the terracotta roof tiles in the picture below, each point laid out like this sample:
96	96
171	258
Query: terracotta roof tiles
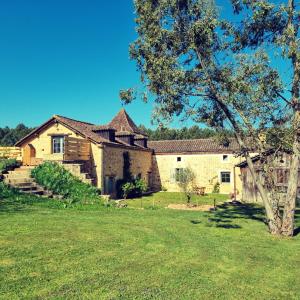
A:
193	146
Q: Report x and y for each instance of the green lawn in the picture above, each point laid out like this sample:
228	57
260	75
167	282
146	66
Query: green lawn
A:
163	199
47	252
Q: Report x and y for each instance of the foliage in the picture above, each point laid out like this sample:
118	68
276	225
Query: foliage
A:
6	191
185	179
140	185
55	178
216	189
128	189
193	132
134	188
216	71
8	164
9	136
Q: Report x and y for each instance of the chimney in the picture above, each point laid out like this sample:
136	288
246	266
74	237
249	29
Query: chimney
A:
105	132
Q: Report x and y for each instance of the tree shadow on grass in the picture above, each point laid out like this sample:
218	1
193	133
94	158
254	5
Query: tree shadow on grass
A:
227	213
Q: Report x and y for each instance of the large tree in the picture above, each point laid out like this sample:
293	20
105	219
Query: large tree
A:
276	26
196	65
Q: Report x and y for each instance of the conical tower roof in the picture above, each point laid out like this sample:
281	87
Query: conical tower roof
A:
123	123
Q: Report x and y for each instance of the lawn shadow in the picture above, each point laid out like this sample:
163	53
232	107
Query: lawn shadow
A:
227	213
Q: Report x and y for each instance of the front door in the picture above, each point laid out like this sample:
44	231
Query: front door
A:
109	187
28	155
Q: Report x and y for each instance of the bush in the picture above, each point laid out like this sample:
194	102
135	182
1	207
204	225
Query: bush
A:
131	189
216	189
128	189
55	178
6	191
140	186
7	164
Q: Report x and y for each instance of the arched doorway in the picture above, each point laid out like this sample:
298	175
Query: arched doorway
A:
28	153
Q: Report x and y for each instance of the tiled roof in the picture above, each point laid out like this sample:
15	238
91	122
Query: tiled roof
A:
88	130
122	122
102	127
82	127
193	146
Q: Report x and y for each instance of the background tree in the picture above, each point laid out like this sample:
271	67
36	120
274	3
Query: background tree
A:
9	136
193	132
192	62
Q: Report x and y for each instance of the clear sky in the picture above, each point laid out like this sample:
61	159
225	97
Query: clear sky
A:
67	57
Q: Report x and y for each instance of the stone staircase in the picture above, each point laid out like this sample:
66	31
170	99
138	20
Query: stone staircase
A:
79	170
20	178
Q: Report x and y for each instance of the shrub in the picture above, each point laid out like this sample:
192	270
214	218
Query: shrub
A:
140	186
216	189
7	164
57	179
6	191
128	189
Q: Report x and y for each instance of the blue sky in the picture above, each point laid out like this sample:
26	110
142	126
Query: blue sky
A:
67	57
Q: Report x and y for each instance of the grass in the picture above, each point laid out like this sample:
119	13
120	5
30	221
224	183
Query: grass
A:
88	252
163	199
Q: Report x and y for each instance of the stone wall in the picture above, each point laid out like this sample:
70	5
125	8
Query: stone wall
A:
141	162
42	141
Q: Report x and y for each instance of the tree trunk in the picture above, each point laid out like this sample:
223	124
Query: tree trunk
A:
291	196
274	223
290	205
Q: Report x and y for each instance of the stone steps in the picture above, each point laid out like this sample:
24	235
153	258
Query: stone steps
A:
77	169
21	179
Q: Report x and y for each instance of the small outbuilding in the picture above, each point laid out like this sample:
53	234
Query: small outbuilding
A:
279	163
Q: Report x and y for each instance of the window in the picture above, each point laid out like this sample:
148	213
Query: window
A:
178	158
225	177
225	157
58	144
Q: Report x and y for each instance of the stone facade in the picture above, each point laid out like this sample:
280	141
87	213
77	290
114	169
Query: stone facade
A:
113	162
207	168
42	141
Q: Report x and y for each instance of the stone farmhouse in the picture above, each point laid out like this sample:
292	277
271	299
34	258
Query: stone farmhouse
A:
96	154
